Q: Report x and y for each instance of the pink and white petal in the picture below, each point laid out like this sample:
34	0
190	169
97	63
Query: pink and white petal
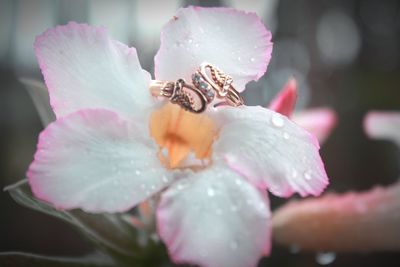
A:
270	150
215	218
383	125
235	41
84	68
95	160
285	101
318	121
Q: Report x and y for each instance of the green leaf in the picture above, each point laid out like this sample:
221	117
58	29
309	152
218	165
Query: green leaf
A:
40	96
109	232
17	259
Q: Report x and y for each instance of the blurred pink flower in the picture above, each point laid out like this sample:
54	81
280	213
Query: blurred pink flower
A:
101	156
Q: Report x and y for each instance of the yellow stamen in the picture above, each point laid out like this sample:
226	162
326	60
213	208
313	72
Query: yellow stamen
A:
181	132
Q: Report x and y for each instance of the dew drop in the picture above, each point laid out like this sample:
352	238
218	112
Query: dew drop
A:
153	187
180	186
252	59
137	172
238	182
190	41
286	135
325	258
197	45
165	179
210	192
307	175
239	59
278	121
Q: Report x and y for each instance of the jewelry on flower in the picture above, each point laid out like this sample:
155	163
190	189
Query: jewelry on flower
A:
185	95
209	77
208	82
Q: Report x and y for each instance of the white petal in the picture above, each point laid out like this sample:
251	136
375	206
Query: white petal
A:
84	68
383	125
94	160
270	150
215	218
236	42
318	121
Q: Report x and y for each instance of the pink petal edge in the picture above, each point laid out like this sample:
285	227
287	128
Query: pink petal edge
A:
285	101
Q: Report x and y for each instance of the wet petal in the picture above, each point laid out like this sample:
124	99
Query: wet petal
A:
383	125
215	218
285	101
236	42
94	160
351	222
84	68
318	121
270	150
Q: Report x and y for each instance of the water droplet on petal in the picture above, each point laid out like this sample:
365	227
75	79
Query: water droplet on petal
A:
307	175
286	135
165	179
239	59
210	192
252	59
137	172
277	120
190	40
325	258
238	182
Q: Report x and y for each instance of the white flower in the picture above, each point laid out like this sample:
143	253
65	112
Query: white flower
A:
105	151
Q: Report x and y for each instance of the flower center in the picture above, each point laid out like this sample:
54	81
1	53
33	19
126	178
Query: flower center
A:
181	132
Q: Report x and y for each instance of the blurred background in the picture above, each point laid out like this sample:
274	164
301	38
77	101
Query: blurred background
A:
345	54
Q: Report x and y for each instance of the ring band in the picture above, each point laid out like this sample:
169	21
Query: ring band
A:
208	82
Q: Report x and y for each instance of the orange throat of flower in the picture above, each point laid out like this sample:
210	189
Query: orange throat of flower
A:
180	133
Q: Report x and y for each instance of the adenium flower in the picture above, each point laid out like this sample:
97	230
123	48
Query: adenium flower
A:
113	145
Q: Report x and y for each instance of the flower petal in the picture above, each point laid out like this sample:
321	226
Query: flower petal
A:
84	68
93	159
350	222
383	125
319	121
285	101
236	42
270	150
215	218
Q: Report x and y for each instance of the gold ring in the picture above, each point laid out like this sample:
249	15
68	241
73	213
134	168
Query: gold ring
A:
185	95
209	83
219	81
